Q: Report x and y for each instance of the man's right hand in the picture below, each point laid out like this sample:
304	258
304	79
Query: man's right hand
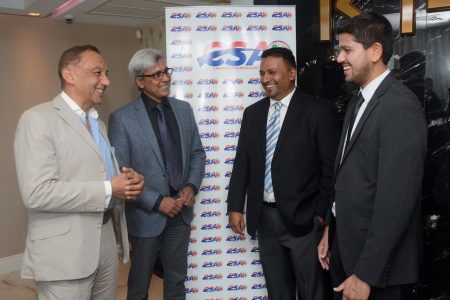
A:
236	220
128	185
323	250
170	207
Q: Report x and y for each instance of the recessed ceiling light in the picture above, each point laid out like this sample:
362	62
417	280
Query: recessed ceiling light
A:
34	14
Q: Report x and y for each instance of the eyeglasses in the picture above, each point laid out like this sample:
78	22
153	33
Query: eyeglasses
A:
158	75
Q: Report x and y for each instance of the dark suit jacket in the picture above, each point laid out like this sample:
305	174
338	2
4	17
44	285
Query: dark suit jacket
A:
302	166
378	185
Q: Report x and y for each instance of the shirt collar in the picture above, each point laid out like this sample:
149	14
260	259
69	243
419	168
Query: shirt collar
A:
151	104
370	89
286	100
76	108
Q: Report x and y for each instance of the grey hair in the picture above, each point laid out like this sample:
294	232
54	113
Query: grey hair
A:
144	59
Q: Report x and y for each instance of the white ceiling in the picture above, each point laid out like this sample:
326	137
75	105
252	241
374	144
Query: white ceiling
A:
134	13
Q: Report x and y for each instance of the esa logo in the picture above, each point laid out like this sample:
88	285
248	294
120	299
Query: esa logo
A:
192	240
212	276
212	161
235	95
209	135
179	69
230	148
228	174
208	122
181	43
192	253
256	28
208	214
208	108
181	29
210	201
211	175
254	80
233	108
281	14
213	148
233	238
211	226
192	266
229	161
207	82
256	262
193	227
204	28
233	121
209	188
256	94
233	28
217	54
256	14
191	290
181	55
258	286
212	252
229	15
191	278
281	28
180	16
236	263
236	250
257	274
255	250
212	264
212	289
237	287
231	134
211	239
208	95
236	275
205	15
235	81
260	298
182	82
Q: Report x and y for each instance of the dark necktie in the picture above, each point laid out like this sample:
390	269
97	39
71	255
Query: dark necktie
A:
173	164
359	102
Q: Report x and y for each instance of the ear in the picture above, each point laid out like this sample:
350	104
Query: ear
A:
292	74
376	52
68	75
139	82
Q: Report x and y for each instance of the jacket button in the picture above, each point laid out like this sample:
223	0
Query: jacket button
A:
102	169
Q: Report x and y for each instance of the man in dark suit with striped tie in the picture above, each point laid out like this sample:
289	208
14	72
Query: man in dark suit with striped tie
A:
284	167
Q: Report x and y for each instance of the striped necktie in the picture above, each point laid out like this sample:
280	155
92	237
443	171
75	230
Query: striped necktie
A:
272	132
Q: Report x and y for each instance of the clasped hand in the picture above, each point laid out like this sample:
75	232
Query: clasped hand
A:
128	185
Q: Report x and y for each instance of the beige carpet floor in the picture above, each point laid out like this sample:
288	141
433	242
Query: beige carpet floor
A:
12	287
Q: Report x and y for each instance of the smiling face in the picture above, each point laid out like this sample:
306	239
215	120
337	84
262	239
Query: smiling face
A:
86	79
277	78
155	89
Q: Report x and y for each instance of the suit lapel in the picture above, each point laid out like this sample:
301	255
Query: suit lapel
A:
376	99
291	117
261	122
146	126
64	111
178	111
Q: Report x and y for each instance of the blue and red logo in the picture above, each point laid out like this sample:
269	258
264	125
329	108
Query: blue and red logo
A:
231	134
256	94
191	278
209	214
208	122
211	175
211	148
233	95
228	174
232	28
256	14
181	55
233	238
192	266
236	275
181	29
258	286
209	252
233	108
208	95
205	15
192	240
255	250
232	121
236	287
230	15
191	290
192	253
281	14
212	289
212	276
281	28
182	69
236	250
208	108
205	28
210	201
211	264
236	263
212	161
209	188
182	82
233	81
257	274
256	262
229	161
230	148
237	54
181	43
180	16
254	80
209	135
211	81
256	28
211	226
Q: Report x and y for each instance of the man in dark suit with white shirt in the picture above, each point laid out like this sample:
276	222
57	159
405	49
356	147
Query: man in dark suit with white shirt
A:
284	165
378	172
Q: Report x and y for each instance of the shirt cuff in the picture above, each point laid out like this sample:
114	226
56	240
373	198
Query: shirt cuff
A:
108	192
157	203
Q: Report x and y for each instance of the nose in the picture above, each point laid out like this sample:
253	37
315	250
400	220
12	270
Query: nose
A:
105	80
340	57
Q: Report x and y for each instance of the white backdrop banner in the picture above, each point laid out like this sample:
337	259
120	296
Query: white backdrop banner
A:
215	52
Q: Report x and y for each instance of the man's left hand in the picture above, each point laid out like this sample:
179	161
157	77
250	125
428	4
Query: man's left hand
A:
187	196
353	288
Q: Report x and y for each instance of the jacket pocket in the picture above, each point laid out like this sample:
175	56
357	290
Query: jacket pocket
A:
49	229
